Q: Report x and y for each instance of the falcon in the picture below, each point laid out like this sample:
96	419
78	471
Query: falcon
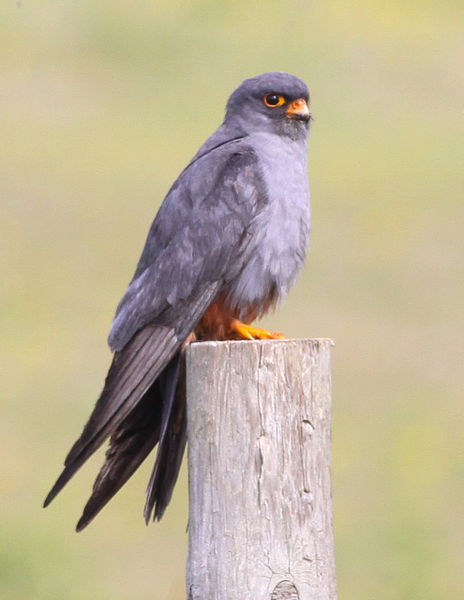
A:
225	247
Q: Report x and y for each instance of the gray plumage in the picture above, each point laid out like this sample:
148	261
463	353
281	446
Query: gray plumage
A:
234	226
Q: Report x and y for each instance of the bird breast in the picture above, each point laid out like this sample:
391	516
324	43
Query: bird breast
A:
280	233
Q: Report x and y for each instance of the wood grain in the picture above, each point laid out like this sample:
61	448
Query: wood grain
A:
259	429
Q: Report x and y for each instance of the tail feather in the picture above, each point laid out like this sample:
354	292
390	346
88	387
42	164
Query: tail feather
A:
137	435
171	445
141	405
129	446
131	375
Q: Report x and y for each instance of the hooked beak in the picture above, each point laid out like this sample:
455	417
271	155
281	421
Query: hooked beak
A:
299	110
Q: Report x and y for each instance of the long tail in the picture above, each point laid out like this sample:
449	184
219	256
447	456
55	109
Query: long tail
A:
158	418
132	374
172	442
142	404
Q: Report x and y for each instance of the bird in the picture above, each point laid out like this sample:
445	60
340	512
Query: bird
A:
225	247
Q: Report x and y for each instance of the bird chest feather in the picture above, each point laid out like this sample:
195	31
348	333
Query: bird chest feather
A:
281	230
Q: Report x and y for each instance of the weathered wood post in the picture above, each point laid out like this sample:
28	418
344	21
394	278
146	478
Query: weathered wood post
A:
260	525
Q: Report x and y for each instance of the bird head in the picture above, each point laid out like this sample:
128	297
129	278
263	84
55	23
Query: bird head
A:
271	103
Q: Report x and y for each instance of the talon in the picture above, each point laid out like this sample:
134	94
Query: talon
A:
254	333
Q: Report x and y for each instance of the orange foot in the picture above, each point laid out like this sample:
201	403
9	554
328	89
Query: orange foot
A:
253	333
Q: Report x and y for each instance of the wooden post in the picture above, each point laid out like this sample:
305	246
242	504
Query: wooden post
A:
260	524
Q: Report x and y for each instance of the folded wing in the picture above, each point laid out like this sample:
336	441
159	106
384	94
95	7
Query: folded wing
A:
197	242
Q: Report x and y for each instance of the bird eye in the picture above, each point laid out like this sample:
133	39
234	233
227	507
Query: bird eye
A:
273	100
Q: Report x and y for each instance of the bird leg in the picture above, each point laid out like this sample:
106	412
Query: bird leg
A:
253	333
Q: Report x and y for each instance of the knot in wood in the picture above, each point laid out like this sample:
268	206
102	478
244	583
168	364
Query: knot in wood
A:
285	590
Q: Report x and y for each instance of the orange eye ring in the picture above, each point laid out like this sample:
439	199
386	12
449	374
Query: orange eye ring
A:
273	100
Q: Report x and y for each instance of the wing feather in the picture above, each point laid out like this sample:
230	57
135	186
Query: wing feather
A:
196	244
138	365
131	443
199	236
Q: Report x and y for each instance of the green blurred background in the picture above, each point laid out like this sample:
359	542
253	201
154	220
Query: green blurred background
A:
101	106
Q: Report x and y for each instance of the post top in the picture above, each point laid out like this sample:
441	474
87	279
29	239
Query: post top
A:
290	341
